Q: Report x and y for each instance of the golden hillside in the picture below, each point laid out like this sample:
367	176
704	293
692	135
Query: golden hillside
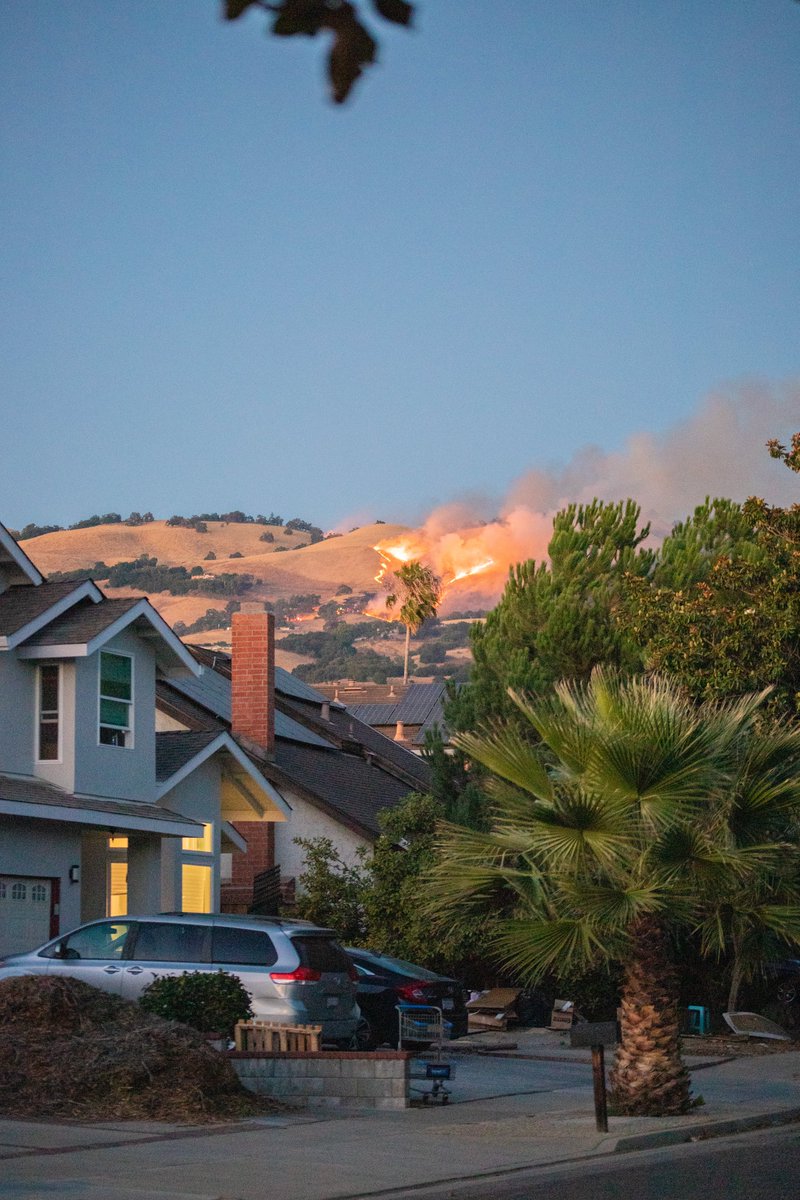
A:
301	568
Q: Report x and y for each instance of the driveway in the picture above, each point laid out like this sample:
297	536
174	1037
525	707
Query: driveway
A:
481	1077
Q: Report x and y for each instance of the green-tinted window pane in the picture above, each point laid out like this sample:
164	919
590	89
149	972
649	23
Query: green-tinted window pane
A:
114	712
115	676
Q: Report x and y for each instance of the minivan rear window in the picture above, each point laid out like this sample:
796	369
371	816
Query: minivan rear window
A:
170	942
321	954
249	947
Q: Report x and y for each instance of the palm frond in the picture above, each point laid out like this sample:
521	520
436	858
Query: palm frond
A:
616	909
504	751
581	826
529	949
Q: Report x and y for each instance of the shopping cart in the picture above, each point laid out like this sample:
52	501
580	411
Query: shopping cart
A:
423	1025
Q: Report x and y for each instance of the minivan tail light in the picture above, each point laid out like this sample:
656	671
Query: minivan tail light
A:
411	991
301	975
353	973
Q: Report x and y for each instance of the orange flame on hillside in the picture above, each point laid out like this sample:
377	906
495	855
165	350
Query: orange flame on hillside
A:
455	556
718	450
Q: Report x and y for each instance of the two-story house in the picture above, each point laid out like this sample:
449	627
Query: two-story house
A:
99	813
335	773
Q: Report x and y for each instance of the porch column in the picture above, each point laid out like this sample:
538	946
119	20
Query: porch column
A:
94	874
144	873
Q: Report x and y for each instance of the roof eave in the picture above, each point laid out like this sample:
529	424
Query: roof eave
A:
86	590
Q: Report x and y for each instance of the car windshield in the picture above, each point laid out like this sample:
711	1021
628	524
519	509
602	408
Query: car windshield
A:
395	966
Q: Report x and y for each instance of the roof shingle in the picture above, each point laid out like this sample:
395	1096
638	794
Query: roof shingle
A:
24	603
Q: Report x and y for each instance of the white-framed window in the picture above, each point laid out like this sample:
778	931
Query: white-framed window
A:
197	874
48	703
195	888
116	699
202	845
117	877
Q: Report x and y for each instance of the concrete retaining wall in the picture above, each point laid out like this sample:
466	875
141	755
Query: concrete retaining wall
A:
378	1079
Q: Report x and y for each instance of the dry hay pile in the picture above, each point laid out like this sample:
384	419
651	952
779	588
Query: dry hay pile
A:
70	1050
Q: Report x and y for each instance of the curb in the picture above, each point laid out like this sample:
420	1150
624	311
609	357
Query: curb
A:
457	1185
711	1129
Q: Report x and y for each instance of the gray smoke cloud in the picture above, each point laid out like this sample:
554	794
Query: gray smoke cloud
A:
719	451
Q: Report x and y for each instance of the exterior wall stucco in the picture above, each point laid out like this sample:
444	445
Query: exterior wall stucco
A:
44	849
127	773
197	797
17	714
309	822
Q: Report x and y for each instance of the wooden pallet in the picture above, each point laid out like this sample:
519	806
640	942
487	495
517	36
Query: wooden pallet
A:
258	1037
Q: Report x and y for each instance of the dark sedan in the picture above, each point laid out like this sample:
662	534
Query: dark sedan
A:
384	982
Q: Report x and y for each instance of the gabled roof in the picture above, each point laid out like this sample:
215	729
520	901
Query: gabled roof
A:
34	798
86	627
82	623
335	762
25	610
174	750
14	557
179	753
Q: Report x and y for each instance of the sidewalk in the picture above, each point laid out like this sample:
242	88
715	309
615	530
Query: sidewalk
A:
336	1155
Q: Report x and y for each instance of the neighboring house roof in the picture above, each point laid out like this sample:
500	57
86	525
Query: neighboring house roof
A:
348	785
34	798
420	706
213	692
181	708
336	762
345	730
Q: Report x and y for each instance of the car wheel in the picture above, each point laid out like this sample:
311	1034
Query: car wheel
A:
789	990
364	1036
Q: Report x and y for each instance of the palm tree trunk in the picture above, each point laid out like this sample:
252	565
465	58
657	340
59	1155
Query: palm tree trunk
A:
737	972
648	1078
405	660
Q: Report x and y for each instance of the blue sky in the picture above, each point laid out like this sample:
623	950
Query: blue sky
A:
538	225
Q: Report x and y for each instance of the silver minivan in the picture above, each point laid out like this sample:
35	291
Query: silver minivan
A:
295	972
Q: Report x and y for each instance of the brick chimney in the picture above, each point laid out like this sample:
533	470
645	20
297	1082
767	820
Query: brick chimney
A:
253	721
253	676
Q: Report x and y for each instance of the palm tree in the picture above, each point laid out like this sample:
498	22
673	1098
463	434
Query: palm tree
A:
627	814
417	589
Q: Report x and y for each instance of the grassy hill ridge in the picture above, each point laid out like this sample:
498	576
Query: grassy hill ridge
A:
284	567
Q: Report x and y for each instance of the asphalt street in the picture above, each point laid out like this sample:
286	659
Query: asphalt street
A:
764	1165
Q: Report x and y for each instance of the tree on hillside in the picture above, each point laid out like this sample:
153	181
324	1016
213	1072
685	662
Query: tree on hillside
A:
556	619
638	814
416	590
352	45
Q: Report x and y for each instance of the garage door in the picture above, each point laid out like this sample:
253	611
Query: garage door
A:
25	906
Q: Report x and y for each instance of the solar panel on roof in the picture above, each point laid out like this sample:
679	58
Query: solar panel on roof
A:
290	685
285	727
213	691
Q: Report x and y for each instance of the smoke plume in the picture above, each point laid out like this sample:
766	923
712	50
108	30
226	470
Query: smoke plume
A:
718	451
